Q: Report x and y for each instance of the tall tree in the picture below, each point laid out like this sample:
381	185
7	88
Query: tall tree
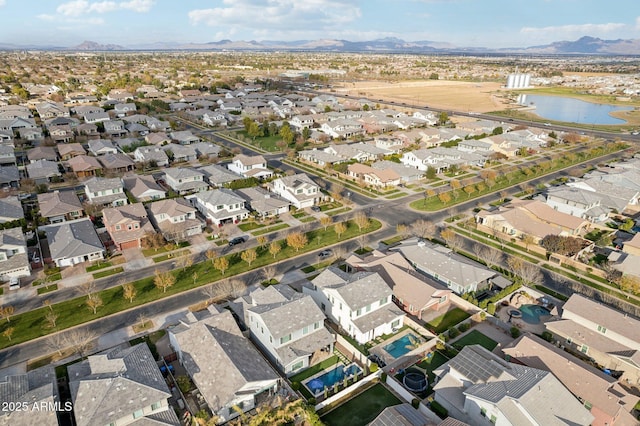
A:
326	221
297	240
129	291
164	280
340	228
94	301
221	264
361	220
249	256
211	255
274	248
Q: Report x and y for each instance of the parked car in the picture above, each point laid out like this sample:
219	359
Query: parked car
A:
325	253
236	241
315	208
14	283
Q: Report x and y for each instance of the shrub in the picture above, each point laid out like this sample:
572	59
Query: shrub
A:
373	367
184	383
439	409
443	337
383	377
464	327
295	386
515	332
415	402
483	315
483	304
465	296
453	332
491	308
312	401
547	336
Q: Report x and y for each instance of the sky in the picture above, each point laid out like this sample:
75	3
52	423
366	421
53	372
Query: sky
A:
463	23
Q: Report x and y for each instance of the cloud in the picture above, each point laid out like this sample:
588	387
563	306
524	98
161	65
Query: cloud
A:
572	30
2	3
638	23
77	8
277	16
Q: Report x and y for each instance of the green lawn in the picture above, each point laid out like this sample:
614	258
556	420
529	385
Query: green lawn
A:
443	322
330	206
474	337
48	289
30	325
270	229
97	266
106	273
166	249
250	226
362	409
307	219
172	255
393	240
339	211
432	363
268	143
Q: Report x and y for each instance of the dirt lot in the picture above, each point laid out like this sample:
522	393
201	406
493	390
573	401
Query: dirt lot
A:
455	95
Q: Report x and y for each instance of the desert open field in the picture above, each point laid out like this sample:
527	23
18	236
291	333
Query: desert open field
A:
454	95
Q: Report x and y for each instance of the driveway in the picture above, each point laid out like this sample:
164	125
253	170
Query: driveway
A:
135	259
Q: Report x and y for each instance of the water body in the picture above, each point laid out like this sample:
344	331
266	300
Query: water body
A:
571	110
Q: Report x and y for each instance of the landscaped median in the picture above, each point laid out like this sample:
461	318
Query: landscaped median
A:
526	173
34	324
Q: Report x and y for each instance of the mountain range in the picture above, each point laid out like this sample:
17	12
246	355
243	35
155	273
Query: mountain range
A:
583	46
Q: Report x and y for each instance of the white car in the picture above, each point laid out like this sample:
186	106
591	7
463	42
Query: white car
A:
14	283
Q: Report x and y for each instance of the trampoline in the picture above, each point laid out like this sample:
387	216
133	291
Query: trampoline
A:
415	380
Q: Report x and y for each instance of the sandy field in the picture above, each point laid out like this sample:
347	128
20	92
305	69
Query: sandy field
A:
454	95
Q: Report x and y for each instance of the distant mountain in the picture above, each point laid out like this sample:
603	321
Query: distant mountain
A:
590	45
92	45
584	45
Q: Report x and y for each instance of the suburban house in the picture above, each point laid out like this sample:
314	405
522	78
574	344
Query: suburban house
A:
61	134
120	386
127	225
218	176
220	206
360	303
42	153
37	388
184	137
357	151
11	209
117	163
577	202
367	175
115	128
287	325
59	206
320	157
404	414
263	202
407	174
7	155
455	271
49	109
73	242
618	190
250	166
9	177
206	149
159	138
609	402
412	292
609	337
143	188
101	147
530	217
180	153
149	154
123	109
68	151
84	166
184	180
422	159
227	369
175	218
42	171
14	259
299	189
632	246
479	388
107	192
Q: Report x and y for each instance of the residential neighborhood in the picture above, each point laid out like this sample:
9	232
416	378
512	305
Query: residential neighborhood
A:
239	245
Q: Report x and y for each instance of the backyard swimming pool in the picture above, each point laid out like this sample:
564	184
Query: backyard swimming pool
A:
399	347
531	313
331	377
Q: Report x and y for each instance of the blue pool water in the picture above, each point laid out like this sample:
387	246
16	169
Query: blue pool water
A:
331	377
401	346
531	313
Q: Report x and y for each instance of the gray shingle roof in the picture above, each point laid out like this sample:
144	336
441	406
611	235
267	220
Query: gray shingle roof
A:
114	384
10	209
218	175
97	184
72	239
34	387
357	290
58	203
43	169
219	359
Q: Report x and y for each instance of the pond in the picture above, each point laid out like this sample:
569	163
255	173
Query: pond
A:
572	110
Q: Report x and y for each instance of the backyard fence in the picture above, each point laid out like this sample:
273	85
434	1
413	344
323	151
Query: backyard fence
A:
354	354
348	391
